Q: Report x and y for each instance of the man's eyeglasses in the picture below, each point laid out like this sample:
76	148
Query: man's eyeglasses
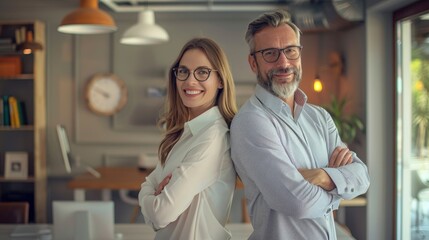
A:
271	55
200	73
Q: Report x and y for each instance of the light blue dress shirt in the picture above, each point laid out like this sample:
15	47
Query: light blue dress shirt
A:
268	146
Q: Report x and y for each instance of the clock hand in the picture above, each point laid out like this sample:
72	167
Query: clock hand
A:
102	92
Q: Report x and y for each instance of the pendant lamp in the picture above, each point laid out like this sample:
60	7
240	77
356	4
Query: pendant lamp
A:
317	84
145	31
29	45
87	19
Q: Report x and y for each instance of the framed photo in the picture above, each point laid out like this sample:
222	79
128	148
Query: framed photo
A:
16	165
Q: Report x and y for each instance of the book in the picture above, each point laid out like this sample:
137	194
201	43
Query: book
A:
8	50
1	112
7	45
22	113
11	115
6	117
14	114
5	41
31	230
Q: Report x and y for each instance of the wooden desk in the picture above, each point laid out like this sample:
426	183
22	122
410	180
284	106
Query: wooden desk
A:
355	202
112	178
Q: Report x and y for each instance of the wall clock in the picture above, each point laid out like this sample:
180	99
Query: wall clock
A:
105	94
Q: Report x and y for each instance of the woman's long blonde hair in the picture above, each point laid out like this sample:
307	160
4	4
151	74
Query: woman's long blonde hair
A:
176	113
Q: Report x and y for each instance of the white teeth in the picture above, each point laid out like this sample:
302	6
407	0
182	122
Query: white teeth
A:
192	92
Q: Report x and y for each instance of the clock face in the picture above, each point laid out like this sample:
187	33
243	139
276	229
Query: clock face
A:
105	94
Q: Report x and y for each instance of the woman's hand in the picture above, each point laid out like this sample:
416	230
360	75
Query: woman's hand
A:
163	184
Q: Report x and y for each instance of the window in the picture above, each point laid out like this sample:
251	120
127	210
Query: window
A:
412	121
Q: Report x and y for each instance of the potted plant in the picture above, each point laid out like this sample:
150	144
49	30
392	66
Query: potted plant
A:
348	126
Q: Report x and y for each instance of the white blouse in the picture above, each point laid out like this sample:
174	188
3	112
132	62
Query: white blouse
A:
196	203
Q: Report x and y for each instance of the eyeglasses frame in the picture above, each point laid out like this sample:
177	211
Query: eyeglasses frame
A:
280	50
193	73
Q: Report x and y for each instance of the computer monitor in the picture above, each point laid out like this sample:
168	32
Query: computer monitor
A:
64	146
70	162
86	220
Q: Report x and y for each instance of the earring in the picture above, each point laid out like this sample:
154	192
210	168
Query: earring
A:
221	85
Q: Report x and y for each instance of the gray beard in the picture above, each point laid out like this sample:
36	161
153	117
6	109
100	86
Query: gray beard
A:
282	91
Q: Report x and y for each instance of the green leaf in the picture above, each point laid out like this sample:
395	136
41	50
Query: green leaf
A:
348	126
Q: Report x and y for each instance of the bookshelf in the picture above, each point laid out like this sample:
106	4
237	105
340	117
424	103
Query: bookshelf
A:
22	75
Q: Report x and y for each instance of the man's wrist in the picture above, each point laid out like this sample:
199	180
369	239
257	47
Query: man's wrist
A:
327	182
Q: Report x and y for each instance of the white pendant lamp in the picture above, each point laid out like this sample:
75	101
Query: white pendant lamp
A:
87	19
145	31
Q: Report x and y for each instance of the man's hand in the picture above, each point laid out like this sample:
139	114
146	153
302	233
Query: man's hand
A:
318	177
340	157
163	183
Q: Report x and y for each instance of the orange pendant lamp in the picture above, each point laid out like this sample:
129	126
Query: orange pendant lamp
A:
87	19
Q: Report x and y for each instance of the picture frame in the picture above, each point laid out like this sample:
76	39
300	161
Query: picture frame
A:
16	165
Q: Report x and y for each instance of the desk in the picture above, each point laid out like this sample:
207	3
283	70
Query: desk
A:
116	178
132	231
355	202
112	178
239	231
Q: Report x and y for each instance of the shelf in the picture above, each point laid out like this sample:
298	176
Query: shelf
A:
27	84
22	128
29	179
17	77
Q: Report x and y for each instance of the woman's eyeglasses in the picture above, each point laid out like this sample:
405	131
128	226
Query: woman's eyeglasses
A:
201	74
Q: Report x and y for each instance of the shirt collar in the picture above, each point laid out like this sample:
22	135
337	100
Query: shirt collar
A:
276	104
206	118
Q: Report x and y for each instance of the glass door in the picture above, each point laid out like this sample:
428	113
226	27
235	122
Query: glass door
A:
412	121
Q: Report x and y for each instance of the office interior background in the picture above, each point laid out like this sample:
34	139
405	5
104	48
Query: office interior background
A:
363	49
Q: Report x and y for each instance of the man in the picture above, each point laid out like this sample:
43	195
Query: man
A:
288	153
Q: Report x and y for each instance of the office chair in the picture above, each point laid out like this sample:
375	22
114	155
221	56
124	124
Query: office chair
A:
126	197
14	212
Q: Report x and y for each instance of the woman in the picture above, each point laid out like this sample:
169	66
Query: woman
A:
189	194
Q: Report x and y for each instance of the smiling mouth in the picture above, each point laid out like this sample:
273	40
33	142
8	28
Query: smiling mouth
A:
284	74
193	92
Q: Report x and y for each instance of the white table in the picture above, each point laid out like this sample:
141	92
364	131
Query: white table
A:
240	231
127	231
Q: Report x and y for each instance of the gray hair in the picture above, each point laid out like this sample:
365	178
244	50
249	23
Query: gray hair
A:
273	18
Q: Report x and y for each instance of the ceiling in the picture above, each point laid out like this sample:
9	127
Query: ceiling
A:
309	15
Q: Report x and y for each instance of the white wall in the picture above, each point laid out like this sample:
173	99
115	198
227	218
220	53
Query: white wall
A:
72	60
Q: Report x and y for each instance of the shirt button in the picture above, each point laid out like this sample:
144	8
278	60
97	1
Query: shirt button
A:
352	190
346	189
328	211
